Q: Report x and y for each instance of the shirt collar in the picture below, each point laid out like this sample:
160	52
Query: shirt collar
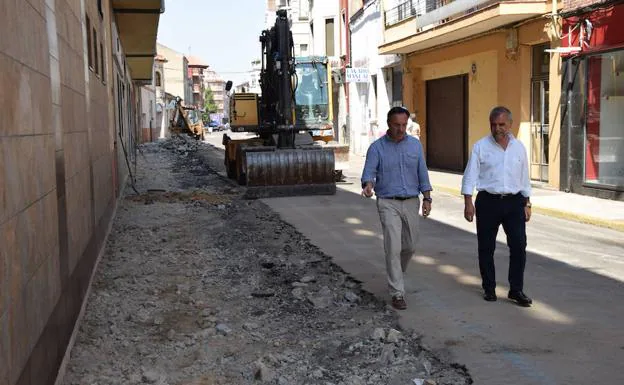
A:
511	137
388	138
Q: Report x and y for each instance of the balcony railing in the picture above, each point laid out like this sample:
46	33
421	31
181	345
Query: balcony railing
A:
432	12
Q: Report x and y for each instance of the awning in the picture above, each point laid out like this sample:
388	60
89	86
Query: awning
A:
137	22
500	14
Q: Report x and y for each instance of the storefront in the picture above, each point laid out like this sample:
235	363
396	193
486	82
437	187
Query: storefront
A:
593	106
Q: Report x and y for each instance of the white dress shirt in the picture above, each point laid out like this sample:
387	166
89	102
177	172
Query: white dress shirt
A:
496	170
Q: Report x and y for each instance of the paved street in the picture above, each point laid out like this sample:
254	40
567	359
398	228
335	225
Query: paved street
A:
571	335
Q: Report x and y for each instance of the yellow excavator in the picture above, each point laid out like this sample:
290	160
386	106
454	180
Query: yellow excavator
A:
187	120
290	147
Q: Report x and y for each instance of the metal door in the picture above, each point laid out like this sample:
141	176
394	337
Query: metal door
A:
446	127
539	130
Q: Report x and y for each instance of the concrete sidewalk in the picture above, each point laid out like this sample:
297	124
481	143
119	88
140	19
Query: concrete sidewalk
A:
575	207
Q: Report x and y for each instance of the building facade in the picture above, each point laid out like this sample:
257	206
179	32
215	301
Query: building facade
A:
70	91
371	95
299	14
460	59
217	86
197	73
592	106
176	72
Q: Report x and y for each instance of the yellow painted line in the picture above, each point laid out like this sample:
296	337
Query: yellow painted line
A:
581	218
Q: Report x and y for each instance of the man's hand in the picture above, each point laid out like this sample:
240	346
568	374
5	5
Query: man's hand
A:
527	213
426	208
368	190
469	209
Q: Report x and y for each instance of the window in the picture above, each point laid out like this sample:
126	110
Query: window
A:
89	43
397	86
158	79
373	108
604	132
329	37
95	53
304	10
303	48
103	71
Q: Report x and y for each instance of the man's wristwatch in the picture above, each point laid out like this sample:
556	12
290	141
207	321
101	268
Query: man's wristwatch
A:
427	200
528	204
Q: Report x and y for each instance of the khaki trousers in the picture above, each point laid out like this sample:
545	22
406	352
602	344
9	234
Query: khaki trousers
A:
399	221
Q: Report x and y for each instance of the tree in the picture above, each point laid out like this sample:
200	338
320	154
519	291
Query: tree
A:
209	103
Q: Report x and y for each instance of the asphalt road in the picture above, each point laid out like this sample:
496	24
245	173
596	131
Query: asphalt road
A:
571	335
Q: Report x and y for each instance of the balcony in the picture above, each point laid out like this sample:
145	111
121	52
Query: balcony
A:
415	25
137	23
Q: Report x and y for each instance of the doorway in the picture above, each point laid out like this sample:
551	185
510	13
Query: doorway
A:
540	114
446	132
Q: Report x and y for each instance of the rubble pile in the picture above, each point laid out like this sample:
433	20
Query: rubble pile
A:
202	291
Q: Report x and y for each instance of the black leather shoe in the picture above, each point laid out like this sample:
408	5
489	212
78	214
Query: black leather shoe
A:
520	298
489	296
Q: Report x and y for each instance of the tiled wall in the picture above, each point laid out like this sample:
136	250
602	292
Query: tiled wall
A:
56	180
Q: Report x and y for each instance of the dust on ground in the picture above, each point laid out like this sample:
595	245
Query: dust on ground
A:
198	286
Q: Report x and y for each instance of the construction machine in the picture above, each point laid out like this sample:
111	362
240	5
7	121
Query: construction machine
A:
187	120
289	148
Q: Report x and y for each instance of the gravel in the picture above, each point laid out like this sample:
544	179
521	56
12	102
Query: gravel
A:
199	286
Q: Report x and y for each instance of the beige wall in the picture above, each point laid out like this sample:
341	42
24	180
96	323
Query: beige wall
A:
56	177
500	79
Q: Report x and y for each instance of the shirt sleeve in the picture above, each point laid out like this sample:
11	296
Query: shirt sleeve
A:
369	174
471	173
526	180
423	172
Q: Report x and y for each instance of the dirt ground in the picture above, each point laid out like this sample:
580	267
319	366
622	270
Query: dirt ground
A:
198	286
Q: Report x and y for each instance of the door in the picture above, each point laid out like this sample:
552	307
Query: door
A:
539	130
446	131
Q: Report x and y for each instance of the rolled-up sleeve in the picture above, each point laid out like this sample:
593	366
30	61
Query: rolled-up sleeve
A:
423	173
471	173
369	174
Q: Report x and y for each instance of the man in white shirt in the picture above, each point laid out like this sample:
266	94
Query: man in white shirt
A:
413	128
498	168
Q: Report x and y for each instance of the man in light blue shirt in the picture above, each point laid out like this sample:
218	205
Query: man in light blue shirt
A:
396	170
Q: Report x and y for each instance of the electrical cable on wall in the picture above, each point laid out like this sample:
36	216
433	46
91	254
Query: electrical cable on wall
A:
132	181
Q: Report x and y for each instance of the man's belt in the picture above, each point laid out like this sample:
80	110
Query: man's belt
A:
500	196
400	198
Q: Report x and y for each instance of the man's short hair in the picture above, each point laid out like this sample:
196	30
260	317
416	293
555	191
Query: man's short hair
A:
398	110
499	110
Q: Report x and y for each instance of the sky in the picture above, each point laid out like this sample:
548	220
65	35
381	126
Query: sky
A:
222	33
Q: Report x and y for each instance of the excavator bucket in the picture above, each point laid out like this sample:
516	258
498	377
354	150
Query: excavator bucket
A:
271	172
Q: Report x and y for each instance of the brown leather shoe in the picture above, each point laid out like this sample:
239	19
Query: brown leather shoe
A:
399	303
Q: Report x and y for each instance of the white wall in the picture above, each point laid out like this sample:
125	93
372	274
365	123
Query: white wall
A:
174	72
367	110
321	11
299	15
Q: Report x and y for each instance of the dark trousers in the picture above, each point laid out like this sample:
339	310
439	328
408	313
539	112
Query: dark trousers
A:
492	211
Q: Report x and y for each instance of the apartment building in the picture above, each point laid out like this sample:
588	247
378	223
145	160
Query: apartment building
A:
299	13
69	87
461	58
197	73
217	86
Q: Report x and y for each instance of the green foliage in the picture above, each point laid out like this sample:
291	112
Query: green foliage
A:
209	103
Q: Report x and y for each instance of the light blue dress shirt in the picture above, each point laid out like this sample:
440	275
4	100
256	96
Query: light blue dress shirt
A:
396	169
